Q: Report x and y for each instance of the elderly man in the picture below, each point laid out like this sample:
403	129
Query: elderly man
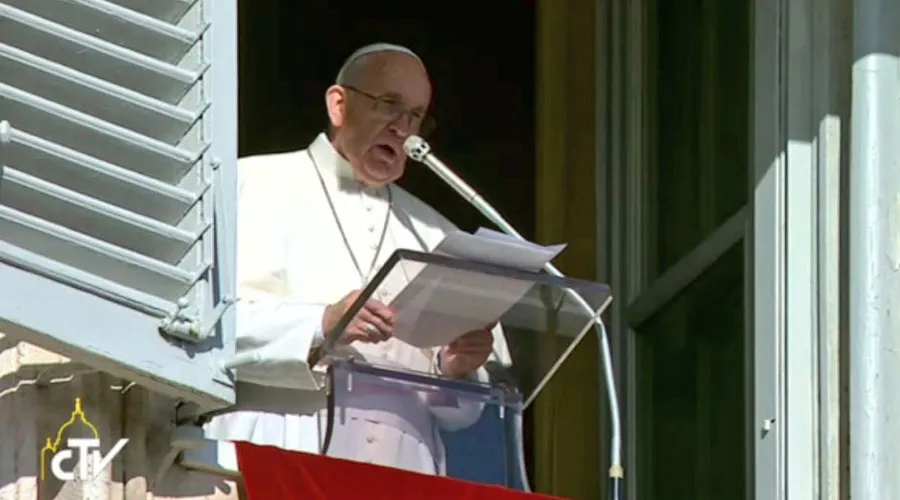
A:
313	227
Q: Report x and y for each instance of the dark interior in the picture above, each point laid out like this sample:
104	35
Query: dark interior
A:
483	78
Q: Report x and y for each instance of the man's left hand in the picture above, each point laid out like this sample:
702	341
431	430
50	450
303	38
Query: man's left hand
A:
467	353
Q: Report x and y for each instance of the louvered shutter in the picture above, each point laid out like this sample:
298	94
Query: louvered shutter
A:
118	132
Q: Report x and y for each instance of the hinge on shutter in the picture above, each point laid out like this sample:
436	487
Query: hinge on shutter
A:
190	328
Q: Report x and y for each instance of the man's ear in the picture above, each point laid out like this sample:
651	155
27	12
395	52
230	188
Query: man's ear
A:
336	104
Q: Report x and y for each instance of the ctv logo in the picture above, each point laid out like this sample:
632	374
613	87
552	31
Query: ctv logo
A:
85	450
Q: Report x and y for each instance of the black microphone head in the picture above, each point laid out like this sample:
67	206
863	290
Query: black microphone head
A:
416	147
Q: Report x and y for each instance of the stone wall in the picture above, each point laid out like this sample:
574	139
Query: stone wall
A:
37	395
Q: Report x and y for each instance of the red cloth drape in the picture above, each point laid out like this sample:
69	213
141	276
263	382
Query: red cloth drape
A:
274	474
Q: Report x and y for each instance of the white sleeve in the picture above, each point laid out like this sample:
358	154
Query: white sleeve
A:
274	333
274	337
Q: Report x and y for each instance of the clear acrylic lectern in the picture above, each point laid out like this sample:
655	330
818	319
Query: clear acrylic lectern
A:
471	427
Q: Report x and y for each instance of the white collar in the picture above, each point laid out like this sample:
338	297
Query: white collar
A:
328	159
332	164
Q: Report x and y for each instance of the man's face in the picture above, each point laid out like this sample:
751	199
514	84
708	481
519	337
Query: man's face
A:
382	107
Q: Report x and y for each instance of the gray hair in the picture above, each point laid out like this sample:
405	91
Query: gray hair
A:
374	48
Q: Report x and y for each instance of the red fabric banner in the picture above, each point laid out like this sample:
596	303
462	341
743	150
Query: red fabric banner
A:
274	474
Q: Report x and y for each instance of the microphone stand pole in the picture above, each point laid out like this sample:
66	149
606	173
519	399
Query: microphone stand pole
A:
419	150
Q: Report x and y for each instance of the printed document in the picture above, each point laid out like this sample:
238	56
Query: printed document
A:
438	304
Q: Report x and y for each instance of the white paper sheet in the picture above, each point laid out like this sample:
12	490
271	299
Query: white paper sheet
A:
440	304
502	250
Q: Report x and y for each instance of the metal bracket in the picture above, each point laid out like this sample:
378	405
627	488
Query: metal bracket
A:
216	316
181	325
184	438
189	328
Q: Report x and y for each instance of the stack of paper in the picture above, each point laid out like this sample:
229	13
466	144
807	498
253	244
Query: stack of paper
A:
439	304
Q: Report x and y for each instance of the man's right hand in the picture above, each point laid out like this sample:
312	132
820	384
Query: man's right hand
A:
374	322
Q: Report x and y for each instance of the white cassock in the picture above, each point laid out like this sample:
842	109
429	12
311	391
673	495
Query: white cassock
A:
308	234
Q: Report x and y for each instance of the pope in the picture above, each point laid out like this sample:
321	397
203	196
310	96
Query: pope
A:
314	226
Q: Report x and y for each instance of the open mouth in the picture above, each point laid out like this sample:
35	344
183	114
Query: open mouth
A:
388	151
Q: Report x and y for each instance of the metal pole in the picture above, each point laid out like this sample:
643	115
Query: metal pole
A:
875	252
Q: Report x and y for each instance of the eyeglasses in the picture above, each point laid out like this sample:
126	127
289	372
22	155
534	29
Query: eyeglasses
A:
390	108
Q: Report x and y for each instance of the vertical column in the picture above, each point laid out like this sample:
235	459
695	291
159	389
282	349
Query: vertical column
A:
875	252
831	47
801	225
765	255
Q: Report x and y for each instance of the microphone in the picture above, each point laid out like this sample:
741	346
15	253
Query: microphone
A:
419	150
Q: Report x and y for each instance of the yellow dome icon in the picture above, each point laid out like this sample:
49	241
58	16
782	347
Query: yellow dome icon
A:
52	446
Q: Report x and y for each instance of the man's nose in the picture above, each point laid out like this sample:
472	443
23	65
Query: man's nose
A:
402	126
